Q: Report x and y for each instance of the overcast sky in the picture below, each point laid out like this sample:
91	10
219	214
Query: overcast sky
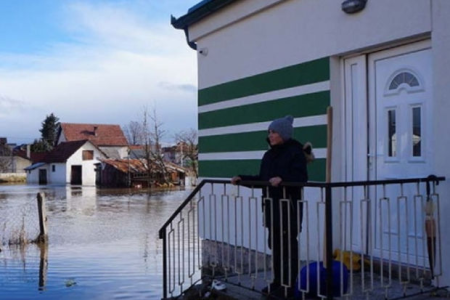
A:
94	61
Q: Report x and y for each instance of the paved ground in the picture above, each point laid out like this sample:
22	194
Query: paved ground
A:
249	289
413	293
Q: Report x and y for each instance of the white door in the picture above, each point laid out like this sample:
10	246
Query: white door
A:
355	155
386	112
400	99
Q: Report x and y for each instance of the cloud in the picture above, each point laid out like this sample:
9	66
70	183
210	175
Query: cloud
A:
10	105
118	61
121	27
189	88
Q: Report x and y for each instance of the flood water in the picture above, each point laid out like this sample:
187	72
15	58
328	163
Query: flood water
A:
103	243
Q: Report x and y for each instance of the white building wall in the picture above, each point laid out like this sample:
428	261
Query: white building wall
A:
61	138
312	29
19	164
33	175
88	166
59	175
440	39
309	30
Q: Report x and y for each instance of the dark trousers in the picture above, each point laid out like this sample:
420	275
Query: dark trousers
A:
282	240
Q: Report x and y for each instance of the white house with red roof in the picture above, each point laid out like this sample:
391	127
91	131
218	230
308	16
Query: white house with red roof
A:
68	163
109	138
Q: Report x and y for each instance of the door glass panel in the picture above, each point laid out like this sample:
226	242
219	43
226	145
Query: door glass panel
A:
392	136
404	77
416	132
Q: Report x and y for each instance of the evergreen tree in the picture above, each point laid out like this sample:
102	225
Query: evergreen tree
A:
40	146
48	135
49	128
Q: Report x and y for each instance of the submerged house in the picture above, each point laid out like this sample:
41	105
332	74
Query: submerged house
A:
109	138
68	163
78	149
135	173
383	66
25	158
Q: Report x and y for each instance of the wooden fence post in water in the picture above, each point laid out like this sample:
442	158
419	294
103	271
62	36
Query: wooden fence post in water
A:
42	219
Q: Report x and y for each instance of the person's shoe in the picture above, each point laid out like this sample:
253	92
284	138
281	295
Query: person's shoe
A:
271	288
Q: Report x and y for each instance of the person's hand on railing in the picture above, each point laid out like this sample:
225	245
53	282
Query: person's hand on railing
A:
235	180
275	181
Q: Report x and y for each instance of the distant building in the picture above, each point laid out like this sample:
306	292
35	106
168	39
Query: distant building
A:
108	138
134	173
68	163
24	158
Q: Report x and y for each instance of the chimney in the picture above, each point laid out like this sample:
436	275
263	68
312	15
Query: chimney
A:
95	130
28	151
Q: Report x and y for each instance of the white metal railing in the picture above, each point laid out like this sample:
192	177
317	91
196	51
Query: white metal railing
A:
385	236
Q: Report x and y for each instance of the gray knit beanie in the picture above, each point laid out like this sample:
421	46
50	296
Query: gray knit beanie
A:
283	127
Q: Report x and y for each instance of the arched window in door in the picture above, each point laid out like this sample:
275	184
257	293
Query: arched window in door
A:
405	118
403	79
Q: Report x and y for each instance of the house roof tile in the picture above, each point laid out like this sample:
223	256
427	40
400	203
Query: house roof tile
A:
63	151
98	134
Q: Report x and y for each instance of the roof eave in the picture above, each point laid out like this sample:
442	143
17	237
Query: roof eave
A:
199	13
196	15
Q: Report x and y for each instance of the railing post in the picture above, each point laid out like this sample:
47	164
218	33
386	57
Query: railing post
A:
329	241
163	236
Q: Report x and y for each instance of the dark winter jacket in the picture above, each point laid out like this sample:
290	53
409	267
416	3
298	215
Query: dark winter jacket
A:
289	163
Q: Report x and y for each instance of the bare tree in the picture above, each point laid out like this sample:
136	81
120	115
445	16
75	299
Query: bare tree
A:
152	134
147	145
134	133
187	147
5	164
157	133
5	158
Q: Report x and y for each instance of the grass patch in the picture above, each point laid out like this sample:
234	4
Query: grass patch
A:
13	179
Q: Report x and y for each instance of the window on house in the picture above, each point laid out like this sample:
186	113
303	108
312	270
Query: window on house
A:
53	168
392	133
88	155
404	77
403	80
416	132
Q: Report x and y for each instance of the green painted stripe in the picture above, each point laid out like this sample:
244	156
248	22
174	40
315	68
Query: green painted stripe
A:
230	168
297	106
254	141
297	75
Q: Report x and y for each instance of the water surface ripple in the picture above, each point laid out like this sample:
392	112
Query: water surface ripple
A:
103	244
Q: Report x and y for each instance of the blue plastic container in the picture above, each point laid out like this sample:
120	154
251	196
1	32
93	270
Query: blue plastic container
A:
309	274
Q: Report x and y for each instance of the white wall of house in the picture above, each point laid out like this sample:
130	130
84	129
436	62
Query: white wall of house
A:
58	176
87	166
33	175
247	38
61	138
19	164
440	38
310	29
61	173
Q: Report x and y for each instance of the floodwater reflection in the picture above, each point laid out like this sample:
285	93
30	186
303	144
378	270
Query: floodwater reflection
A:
103	244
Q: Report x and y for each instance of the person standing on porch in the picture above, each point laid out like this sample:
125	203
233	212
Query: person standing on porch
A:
285	161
